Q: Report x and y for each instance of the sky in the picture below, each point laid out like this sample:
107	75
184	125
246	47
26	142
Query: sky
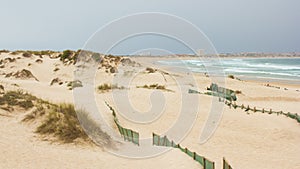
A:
232	26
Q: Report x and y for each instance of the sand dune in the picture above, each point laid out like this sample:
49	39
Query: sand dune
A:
248	141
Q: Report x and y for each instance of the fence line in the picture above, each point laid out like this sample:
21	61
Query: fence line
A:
128	134
255	109
247	108
226	165
133	136
164	141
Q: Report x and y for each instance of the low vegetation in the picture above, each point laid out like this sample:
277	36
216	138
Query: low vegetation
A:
238	92
107	87
55	122
73	84
11	99
231	76
155	86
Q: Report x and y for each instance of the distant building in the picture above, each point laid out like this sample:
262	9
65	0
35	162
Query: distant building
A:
200	52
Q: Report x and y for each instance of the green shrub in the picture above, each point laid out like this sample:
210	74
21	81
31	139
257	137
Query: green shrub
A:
96	57
231	76
65	55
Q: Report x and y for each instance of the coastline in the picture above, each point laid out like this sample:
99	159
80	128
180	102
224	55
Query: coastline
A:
240	135
155	61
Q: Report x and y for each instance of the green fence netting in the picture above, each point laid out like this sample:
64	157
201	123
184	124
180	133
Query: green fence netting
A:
226	165
128	134
221	92
164	141
199	159
208	164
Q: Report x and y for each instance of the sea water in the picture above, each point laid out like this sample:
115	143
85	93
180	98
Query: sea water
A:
263	68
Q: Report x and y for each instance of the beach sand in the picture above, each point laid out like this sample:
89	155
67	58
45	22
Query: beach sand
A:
246	140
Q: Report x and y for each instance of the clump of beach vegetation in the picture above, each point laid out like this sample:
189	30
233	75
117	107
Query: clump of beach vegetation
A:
20	99
73	84
55	122
155	86
107	87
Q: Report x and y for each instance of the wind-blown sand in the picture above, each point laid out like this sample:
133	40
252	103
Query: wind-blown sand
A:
247	141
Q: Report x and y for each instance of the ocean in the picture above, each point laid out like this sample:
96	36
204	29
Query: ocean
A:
276	69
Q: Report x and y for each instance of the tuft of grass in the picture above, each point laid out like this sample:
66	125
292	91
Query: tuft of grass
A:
238	92
106	87
231	76
151	70
65	55
74	84
27	54
96	57
69	125
56	69
18	98
155	86
62	122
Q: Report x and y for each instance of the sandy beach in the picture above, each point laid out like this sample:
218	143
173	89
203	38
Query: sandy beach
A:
246	139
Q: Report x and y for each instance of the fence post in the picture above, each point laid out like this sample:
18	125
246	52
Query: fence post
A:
164	142
248	108
254	109
204	163
224	163
185	150
194	156
132	136
263	110
153	139
242	107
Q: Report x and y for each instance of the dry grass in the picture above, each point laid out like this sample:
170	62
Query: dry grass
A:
59	122
17	98
238	92
231	76
69	125
155	86
107	87
74	84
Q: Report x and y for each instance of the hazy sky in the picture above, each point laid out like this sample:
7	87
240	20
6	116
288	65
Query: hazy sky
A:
231	25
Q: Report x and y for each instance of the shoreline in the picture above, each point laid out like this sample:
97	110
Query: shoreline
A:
155	62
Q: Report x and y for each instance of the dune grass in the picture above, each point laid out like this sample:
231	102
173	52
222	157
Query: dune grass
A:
18	98
155	86
107	87
73	84
59	122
